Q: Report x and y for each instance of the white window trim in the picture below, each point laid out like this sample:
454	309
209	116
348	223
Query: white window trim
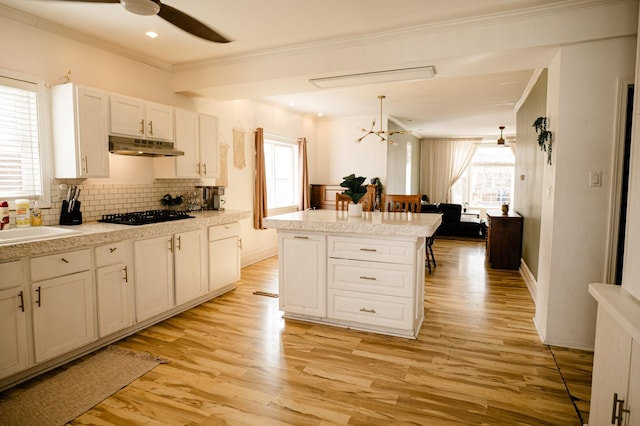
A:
44	133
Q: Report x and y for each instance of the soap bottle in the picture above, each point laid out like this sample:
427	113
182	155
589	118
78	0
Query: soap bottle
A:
22	213
36	215
4	215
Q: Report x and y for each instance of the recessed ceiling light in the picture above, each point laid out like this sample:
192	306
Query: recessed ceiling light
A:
292	104
152	34
320	114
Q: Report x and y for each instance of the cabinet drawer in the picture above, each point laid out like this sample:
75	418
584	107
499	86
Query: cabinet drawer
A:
56	265
219	232
371	309
371	277
11	274
378	250
110	254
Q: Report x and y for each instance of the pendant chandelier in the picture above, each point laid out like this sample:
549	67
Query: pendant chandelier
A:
384	136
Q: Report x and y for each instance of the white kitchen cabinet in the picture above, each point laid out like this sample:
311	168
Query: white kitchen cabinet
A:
153	272
190	257
141	119
302	259
224	255
14	336
197	137
63	303
615	388
114	287
80	131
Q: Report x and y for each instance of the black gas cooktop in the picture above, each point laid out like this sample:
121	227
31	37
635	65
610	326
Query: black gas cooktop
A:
145	217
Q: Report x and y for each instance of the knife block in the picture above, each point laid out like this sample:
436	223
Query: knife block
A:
73	217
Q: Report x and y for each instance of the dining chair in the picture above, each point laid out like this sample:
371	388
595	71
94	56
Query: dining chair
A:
342	201
401	203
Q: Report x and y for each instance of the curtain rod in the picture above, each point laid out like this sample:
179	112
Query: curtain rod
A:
273	135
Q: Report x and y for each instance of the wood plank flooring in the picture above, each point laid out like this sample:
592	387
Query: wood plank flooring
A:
478	361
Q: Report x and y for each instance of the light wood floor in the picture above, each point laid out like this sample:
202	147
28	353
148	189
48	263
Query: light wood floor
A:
478	361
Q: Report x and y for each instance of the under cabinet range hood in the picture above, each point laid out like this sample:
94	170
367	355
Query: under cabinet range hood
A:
142	147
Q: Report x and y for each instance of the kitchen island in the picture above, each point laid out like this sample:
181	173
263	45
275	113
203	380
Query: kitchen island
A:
365	273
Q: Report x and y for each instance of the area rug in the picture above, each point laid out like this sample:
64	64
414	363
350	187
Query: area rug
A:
65	393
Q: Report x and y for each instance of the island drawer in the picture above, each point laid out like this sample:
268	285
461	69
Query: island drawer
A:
56	265
372	249
219	232
371	309
110	254
371	277
11	274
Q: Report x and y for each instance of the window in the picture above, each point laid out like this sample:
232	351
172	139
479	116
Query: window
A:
488	181
20	165
281	168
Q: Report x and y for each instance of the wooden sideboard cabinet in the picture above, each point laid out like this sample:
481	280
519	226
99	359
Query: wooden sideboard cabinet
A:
324	196
504	239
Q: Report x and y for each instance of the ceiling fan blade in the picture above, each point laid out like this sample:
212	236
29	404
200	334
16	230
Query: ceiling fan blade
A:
94	1
189	24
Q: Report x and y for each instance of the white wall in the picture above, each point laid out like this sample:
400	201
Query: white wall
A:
338	154
582	105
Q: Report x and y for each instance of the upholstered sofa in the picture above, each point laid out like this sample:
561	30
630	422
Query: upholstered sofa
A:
454	223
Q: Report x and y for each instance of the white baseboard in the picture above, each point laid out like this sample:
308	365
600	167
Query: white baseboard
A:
258	255
529	280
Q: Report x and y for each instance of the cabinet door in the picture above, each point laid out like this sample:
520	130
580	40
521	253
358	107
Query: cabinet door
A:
302	264
633	403
224	262
127	116
115	302
159	121
190	265
63	314
14	355
208	136
187	165
153	272
93	133
610	368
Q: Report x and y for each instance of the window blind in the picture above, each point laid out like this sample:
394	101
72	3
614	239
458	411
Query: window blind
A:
20	170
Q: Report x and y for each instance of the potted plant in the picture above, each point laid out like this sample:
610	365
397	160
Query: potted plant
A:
356	190
379	190
545	137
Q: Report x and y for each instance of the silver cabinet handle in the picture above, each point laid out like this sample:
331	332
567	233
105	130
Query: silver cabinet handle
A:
617	412
112	249
64	260
368	249
151	127
39	300
179	242
368	278
300	237
126	274
204	165
370	311
142	127
21	296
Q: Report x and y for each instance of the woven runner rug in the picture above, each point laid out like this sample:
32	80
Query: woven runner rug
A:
63	394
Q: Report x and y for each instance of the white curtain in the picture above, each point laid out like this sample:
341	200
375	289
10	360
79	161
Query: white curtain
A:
442	162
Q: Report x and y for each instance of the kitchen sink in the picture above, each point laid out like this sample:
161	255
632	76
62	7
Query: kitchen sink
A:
19	235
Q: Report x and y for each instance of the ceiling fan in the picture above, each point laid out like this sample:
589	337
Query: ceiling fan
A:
169	14
380	133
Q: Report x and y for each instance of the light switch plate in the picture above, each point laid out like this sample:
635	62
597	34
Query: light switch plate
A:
595	179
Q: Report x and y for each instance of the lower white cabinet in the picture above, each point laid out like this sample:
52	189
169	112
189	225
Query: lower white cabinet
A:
114	287
153	272
302	261
14	355
190	257
615	387
224	255
63	303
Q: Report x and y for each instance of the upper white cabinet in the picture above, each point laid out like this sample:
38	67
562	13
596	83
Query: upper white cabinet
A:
196	135
141	119
80	118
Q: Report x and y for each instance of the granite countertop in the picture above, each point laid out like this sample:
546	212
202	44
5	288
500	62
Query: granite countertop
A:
371	223
96	233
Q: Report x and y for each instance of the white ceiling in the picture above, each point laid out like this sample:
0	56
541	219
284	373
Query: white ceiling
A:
459	104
